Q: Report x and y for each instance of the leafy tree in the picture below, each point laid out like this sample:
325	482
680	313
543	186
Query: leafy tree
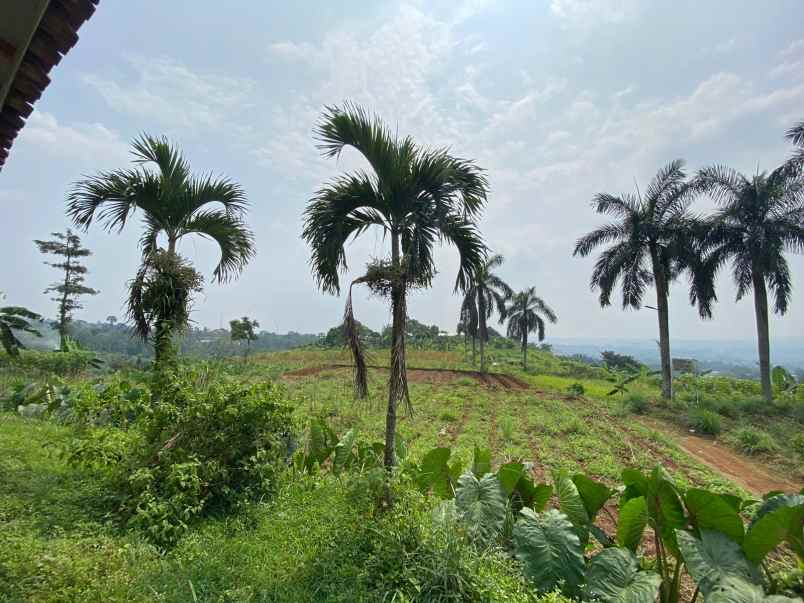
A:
620	362
112	320
159	302
757	221
651	242
16	318
243	330
71	287
418	197
336	336
174	204
526	313
487	293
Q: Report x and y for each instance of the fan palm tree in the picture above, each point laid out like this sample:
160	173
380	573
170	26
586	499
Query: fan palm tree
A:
417	197
16	318
486	294
652	240
526	313
757	221
174	204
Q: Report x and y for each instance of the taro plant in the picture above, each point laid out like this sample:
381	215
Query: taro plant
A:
692	532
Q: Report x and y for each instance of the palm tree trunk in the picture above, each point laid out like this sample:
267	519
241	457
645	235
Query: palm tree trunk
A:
474	349
763	337
396	381
525	351
664	326
63	302
481	310
171	245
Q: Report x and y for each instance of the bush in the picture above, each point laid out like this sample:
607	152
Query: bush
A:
753	441
200	449
636	403
705	421
575	390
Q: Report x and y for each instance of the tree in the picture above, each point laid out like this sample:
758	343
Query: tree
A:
621	362
487	293
112	320
243	330
467	324
417	197
796	136
757	221
526	313
653	240
16	318
71	287
174	204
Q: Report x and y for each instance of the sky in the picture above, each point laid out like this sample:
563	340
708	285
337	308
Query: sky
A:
556	99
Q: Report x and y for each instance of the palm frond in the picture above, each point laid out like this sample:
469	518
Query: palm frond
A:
464	235
605	234
235	240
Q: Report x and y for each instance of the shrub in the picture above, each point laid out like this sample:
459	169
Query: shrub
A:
753	441
199	450
575	390
798	443
705	421
636	403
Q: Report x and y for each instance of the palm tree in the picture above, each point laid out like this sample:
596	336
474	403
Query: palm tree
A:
16	318
796	136
486	293
653	239
173	203
757	221
525	314
467	324
417	197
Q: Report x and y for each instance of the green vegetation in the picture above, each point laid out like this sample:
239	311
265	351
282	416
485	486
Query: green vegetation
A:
14	319
524	315
71	287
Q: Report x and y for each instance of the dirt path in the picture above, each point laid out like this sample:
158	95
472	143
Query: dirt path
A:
427	375
745	472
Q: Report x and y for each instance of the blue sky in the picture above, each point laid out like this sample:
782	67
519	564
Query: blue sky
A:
557	100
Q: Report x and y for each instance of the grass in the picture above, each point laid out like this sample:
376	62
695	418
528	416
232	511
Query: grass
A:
318	538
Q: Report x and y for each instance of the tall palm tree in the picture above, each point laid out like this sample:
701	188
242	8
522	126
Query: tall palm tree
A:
467	324
796	136
757	221
526	313
174	203
486	294
652	240
417	197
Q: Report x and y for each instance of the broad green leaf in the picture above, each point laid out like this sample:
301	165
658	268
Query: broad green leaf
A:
714	557
509	475
613	576
541	494
481	505
343	451
771	530
319	448
795	533
549	550
736	590
435	473
710	511
632	522
572	506
400	447
594	494
665	511
481	463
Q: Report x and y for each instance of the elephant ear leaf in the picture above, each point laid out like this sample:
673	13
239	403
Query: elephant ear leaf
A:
594	494
709	511
435	473
779	519
572	505
343	452
549	550
736	590
481	463
481	504
633	519
613	576
714	557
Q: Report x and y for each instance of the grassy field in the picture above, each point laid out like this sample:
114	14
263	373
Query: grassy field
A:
320	538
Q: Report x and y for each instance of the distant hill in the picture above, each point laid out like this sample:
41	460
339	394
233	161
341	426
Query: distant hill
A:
736	357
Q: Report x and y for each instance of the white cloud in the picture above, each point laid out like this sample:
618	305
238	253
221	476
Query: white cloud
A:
88	143
169	92
791	61
590	13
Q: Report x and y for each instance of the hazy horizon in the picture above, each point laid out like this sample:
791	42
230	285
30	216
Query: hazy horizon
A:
557	101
